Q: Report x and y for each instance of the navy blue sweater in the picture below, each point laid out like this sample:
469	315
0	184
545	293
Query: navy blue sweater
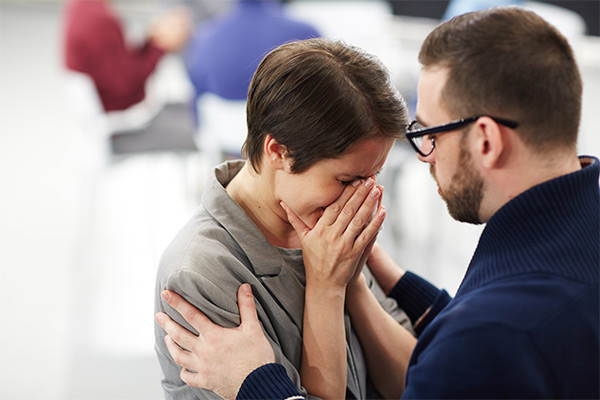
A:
525	320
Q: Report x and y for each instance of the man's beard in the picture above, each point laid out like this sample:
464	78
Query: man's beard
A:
463	196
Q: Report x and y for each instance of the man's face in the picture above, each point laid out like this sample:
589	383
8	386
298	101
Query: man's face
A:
464	193
459	183
310	192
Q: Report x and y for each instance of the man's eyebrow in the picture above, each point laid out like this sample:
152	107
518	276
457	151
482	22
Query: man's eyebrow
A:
420	121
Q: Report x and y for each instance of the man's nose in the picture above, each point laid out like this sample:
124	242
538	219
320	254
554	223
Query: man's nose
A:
427	159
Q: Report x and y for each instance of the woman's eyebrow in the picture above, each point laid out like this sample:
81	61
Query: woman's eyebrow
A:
363	177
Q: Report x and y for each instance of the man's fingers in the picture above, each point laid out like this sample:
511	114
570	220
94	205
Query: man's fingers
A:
178	333
190	313
248	316
192	378
180	356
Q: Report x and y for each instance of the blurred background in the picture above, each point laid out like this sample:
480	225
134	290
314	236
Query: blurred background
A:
90	199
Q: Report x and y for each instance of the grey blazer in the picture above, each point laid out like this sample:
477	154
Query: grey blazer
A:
214	253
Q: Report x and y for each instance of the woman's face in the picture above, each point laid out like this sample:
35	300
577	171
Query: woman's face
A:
310	192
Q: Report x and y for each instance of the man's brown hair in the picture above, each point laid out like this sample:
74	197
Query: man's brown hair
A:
509	62
317	97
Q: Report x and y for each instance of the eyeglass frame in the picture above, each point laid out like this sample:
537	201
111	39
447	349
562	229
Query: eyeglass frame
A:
447	127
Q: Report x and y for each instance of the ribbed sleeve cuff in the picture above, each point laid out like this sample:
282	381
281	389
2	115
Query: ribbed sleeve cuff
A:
414	295
268	382
440	302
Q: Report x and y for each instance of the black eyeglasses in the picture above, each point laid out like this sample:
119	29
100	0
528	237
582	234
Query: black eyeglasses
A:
415	133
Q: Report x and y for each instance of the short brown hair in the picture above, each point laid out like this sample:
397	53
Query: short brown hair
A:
509	62
316	97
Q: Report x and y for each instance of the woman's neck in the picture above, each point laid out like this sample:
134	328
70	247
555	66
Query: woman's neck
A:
254	192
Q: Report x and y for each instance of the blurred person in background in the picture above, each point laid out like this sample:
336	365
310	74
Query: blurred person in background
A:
95	44
498	112
322	118
202	11
223	53
458	7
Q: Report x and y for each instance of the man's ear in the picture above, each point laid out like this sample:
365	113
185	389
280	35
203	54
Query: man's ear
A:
276	154
490	143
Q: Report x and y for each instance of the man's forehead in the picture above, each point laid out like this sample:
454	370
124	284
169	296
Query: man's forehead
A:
429	93
432	80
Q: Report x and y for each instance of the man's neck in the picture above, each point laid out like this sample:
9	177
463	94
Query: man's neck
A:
521	174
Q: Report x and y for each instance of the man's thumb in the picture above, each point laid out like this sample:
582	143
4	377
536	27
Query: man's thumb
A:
247	307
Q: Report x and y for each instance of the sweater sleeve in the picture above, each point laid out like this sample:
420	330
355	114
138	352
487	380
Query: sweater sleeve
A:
269	382
416	296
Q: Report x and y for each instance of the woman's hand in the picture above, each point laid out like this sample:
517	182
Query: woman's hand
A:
219	359
333	250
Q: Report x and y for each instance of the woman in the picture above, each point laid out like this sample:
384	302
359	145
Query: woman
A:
322	117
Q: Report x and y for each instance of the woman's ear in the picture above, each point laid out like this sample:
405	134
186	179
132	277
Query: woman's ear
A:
490	143
276	154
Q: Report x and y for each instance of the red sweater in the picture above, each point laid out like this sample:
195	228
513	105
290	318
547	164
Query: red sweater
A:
95	45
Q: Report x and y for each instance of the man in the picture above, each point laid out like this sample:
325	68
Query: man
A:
497	120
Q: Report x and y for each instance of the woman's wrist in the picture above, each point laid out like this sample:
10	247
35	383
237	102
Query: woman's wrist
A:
325	286
356	290
324	294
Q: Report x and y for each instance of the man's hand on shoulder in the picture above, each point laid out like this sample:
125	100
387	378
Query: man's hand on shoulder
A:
219	359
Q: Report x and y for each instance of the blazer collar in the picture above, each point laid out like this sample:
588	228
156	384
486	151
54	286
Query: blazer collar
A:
263	257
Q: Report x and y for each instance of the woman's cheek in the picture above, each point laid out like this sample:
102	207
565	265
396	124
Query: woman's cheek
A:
332	195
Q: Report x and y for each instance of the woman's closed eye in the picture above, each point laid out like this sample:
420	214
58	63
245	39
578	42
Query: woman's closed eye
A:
347	182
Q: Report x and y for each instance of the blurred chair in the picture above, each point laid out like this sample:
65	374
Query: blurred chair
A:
148	126
222	128
142	130
90	115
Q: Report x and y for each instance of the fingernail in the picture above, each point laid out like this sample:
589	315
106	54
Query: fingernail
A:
375	193
381	212
282	204
246	289
356	182
165	295
369	182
